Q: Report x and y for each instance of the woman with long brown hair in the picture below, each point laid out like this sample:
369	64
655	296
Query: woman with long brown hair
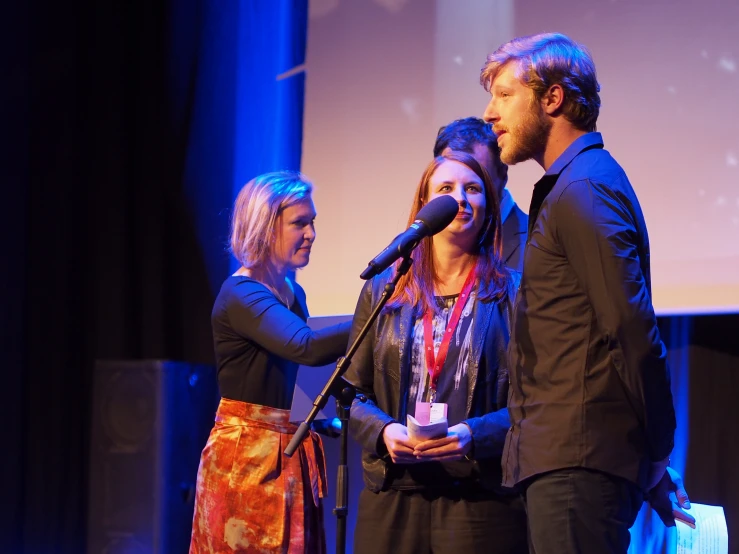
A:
439	344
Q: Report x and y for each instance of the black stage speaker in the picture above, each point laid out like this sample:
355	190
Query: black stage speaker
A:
150	422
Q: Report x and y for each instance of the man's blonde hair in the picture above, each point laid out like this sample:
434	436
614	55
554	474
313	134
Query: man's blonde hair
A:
552	59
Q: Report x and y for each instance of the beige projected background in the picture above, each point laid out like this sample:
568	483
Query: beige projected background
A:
384	75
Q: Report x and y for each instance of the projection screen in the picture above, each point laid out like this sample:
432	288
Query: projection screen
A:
384	75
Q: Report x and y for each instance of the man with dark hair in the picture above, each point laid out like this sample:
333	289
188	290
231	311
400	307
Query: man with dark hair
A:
474	136
592	420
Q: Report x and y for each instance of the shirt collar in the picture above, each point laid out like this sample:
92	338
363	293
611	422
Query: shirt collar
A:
586	141
506	205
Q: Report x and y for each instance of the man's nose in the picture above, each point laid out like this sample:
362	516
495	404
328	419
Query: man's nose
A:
491	114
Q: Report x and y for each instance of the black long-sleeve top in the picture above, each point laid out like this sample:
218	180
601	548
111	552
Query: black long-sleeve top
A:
260	343
590	385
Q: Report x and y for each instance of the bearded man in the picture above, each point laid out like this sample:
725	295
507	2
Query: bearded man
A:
592	418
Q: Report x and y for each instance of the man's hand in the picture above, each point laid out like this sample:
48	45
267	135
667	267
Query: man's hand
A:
656	473
399	445
455	446
668	498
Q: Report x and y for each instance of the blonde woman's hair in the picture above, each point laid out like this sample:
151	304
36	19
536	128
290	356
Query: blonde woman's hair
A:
255	212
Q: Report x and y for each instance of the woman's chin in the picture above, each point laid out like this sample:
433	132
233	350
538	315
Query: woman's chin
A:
300	262
461	229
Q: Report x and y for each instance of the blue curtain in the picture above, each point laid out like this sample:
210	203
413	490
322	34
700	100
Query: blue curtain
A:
133	123
238	83
649	534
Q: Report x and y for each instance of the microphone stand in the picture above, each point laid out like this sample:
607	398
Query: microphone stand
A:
345	393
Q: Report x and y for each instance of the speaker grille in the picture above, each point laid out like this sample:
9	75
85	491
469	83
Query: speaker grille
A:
128	410
150	422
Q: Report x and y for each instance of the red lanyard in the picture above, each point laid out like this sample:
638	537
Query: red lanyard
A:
434	363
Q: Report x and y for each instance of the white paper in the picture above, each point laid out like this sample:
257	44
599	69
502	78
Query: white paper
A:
709	536
419	432
437	412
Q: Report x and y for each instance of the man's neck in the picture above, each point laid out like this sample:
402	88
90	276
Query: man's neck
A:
561	136
506	204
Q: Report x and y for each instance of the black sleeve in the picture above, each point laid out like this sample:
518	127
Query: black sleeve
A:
489	433
255	314
367	420
489	430
600	240
360	372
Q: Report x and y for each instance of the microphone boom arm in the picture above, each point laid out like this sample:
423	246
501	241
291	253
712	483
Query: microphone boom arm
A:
336	385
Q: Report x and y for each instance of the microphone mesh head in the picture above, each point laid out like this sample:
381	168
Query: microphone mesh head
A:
438	213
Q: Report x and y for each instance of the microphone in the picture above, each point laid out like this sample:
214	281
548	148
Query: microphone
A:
431	219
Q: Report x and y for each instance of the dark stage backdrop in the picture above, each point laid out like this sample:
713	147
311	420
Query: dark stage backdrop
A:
127	128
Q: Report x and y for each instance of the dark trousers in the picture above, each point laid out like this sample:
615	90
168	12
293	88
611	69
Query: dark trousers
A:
404	522
579	511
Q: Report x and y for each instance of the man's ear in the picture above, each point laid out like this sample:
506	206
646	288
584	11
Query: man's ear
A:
553	99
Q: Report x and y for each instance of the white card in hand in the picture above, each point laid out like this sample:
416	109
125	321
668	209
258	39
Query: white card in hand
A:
419	432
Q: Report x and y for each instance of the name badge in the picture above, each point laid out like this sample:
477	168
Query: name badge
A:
427	412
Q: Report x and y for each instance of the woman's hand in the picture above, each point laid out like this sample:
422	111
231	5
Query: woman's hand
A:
399	445
455	446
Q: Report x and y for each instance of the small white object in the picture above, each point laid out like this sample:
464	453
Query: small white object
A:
710	535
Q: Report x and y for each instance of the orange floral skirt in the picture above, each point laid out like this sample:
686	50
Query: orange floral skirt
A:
251	497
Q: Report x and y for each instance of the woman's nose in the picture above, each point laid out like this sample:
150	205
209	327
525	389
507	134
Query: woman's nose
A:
460	197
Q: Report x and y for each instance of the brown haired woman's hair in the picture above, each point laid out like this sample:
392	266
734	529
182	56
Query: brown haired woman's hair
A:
416	288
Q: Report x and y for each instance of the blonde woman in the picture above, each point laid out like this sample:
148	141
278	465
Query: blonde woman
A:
250	497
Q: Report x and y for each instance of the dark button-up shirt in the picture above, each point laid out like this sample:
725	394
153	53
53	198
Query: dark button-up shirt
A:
590	385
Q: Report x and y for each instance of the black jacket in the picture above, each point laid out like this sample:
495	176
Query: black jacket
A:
515	230
381	370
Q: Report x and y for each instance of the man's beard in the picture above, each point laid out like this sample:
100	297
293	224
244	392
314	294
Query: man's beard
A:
528	139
